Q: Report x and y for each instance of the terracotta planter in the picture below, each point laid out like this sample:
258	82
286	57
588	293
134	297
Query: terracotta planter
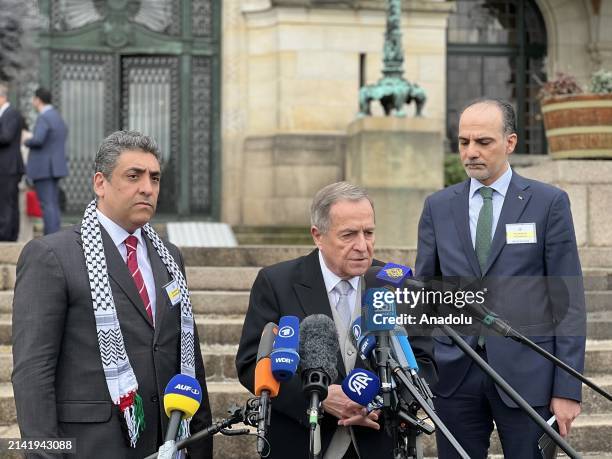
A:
579	126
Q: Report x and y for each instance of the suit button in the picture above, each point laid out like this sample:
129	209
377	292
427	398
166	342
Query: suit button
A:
156	348
349	352
155	399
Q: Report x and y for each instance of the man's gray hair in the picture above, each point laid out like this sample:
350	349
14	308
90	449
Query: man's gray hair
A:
506	108
3	90
118	142
327	196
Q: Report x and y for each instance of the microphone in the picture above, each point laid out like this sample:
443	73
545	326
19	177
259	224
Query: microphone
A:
284	356
266	386
362	387
364	343
403	350
318	349
182	398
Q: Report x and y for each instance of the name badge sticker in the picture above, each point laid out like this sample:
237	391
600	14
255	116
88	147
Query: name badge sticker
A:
173	291
521	233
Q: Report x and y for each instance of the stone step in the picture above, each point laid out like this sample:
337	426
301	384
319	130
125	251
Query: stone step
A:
212	330
237	278
235	447
221	395
224	302
219	361
265	255
590	437
227	329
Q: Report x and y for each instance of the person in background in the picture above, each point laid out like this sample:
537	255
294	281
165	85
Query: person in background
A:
47	158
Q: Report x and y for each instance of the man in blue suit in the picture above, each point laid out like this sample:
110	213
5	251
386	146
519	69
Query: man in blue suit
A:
519	234
11	167
47	159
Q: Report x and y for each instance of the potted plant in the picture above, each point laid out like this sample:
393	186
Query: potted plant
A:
578	124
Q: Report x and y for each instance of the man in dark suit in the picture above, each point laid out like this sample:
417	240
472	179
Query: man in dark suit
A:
47	158
518	234
97	333
11	167
342	219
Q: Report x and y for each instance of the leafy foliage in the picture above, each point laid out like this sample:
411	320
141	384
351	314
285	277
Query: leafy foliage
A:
601	82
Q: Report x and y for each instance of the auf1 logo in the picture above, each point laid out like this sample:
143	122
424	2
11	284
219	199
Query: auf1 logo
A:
286	332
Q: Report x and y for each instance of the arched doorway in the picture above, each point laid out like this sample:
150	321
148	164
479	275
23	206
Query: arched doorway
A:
497	48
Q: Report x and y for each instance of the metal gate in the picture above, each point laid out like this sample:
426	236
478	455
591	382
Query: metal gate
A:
150	66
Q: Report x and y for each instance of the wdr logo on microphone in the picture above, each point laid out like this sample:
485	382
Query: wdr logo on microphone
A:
358	382
286	332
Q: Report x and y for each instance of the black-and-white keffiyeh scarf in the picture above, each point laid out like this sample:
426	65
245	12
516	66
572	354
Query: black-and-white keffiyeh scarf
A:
120	377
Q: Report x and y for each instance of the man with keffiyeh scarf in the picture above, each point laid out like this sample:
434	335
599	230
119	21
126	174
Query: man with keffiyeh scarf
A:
98	329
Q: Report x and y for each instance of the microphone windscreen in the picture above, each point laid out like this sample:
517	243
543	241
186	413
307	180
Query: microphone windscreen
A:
361	386
319	345
264	380
284	357
183	393
266	343
380	310
407	350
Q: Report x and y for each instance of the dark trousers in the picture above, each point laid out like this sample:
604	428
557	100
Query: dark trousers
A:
9	207
47	191
470	412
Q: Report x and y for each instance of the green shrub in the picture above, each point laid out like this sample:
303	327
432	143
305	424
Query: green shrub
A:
453	170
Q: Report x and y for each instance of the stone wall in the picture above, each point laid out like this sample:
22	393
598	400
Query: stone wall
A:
589	186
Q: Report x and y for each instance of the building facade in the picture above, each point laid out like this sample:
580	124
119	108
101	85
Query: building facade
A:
251	99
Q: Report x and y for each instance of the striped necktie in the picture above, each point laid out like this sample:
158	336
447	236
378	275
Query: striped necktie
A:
131	242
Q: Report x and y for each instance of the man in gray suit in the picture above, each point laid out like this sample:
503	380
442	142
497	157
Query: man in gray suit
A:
47	158
326	281
97	330
11	167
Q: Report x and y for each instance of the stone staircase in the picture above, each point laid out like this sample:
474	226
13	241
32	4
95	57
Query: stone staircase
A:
220	279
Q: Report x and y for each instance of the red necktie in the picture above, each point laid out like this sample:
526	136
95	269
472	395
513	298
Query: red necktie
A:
131	242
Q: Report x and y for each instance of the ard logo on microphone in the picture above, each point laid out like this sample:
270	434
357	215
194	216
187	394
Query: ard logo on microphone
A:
286	332
187	388
358	382
357	331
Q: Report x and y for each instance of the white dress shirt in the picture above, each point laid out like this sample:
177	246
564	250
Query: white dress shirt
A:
331	280
118	235
500	188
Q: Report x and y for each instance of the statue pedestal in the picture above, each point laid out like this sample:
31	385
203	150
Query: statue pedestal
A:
400	161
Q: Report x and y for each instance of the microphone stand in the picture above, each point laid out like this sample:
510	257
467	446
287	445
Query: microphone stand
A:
401	379
393	414
248	415
516	398
491	320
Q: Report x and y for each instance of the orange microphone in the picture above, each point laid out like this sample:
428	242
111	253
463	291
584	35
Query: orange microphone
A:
265	384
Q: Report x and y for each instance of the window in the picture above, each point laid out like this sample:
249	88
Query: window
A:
497	48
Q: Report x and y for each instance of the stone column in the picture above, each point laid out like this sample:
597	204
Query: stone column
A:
400	161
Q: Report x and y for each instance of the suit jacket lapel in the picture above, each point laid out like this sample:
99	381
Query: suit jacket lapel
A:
461	216
515	201
312	295
161	277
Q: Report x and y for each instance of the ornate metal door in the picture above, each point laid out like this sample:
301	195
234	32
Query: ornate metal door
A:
151	66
